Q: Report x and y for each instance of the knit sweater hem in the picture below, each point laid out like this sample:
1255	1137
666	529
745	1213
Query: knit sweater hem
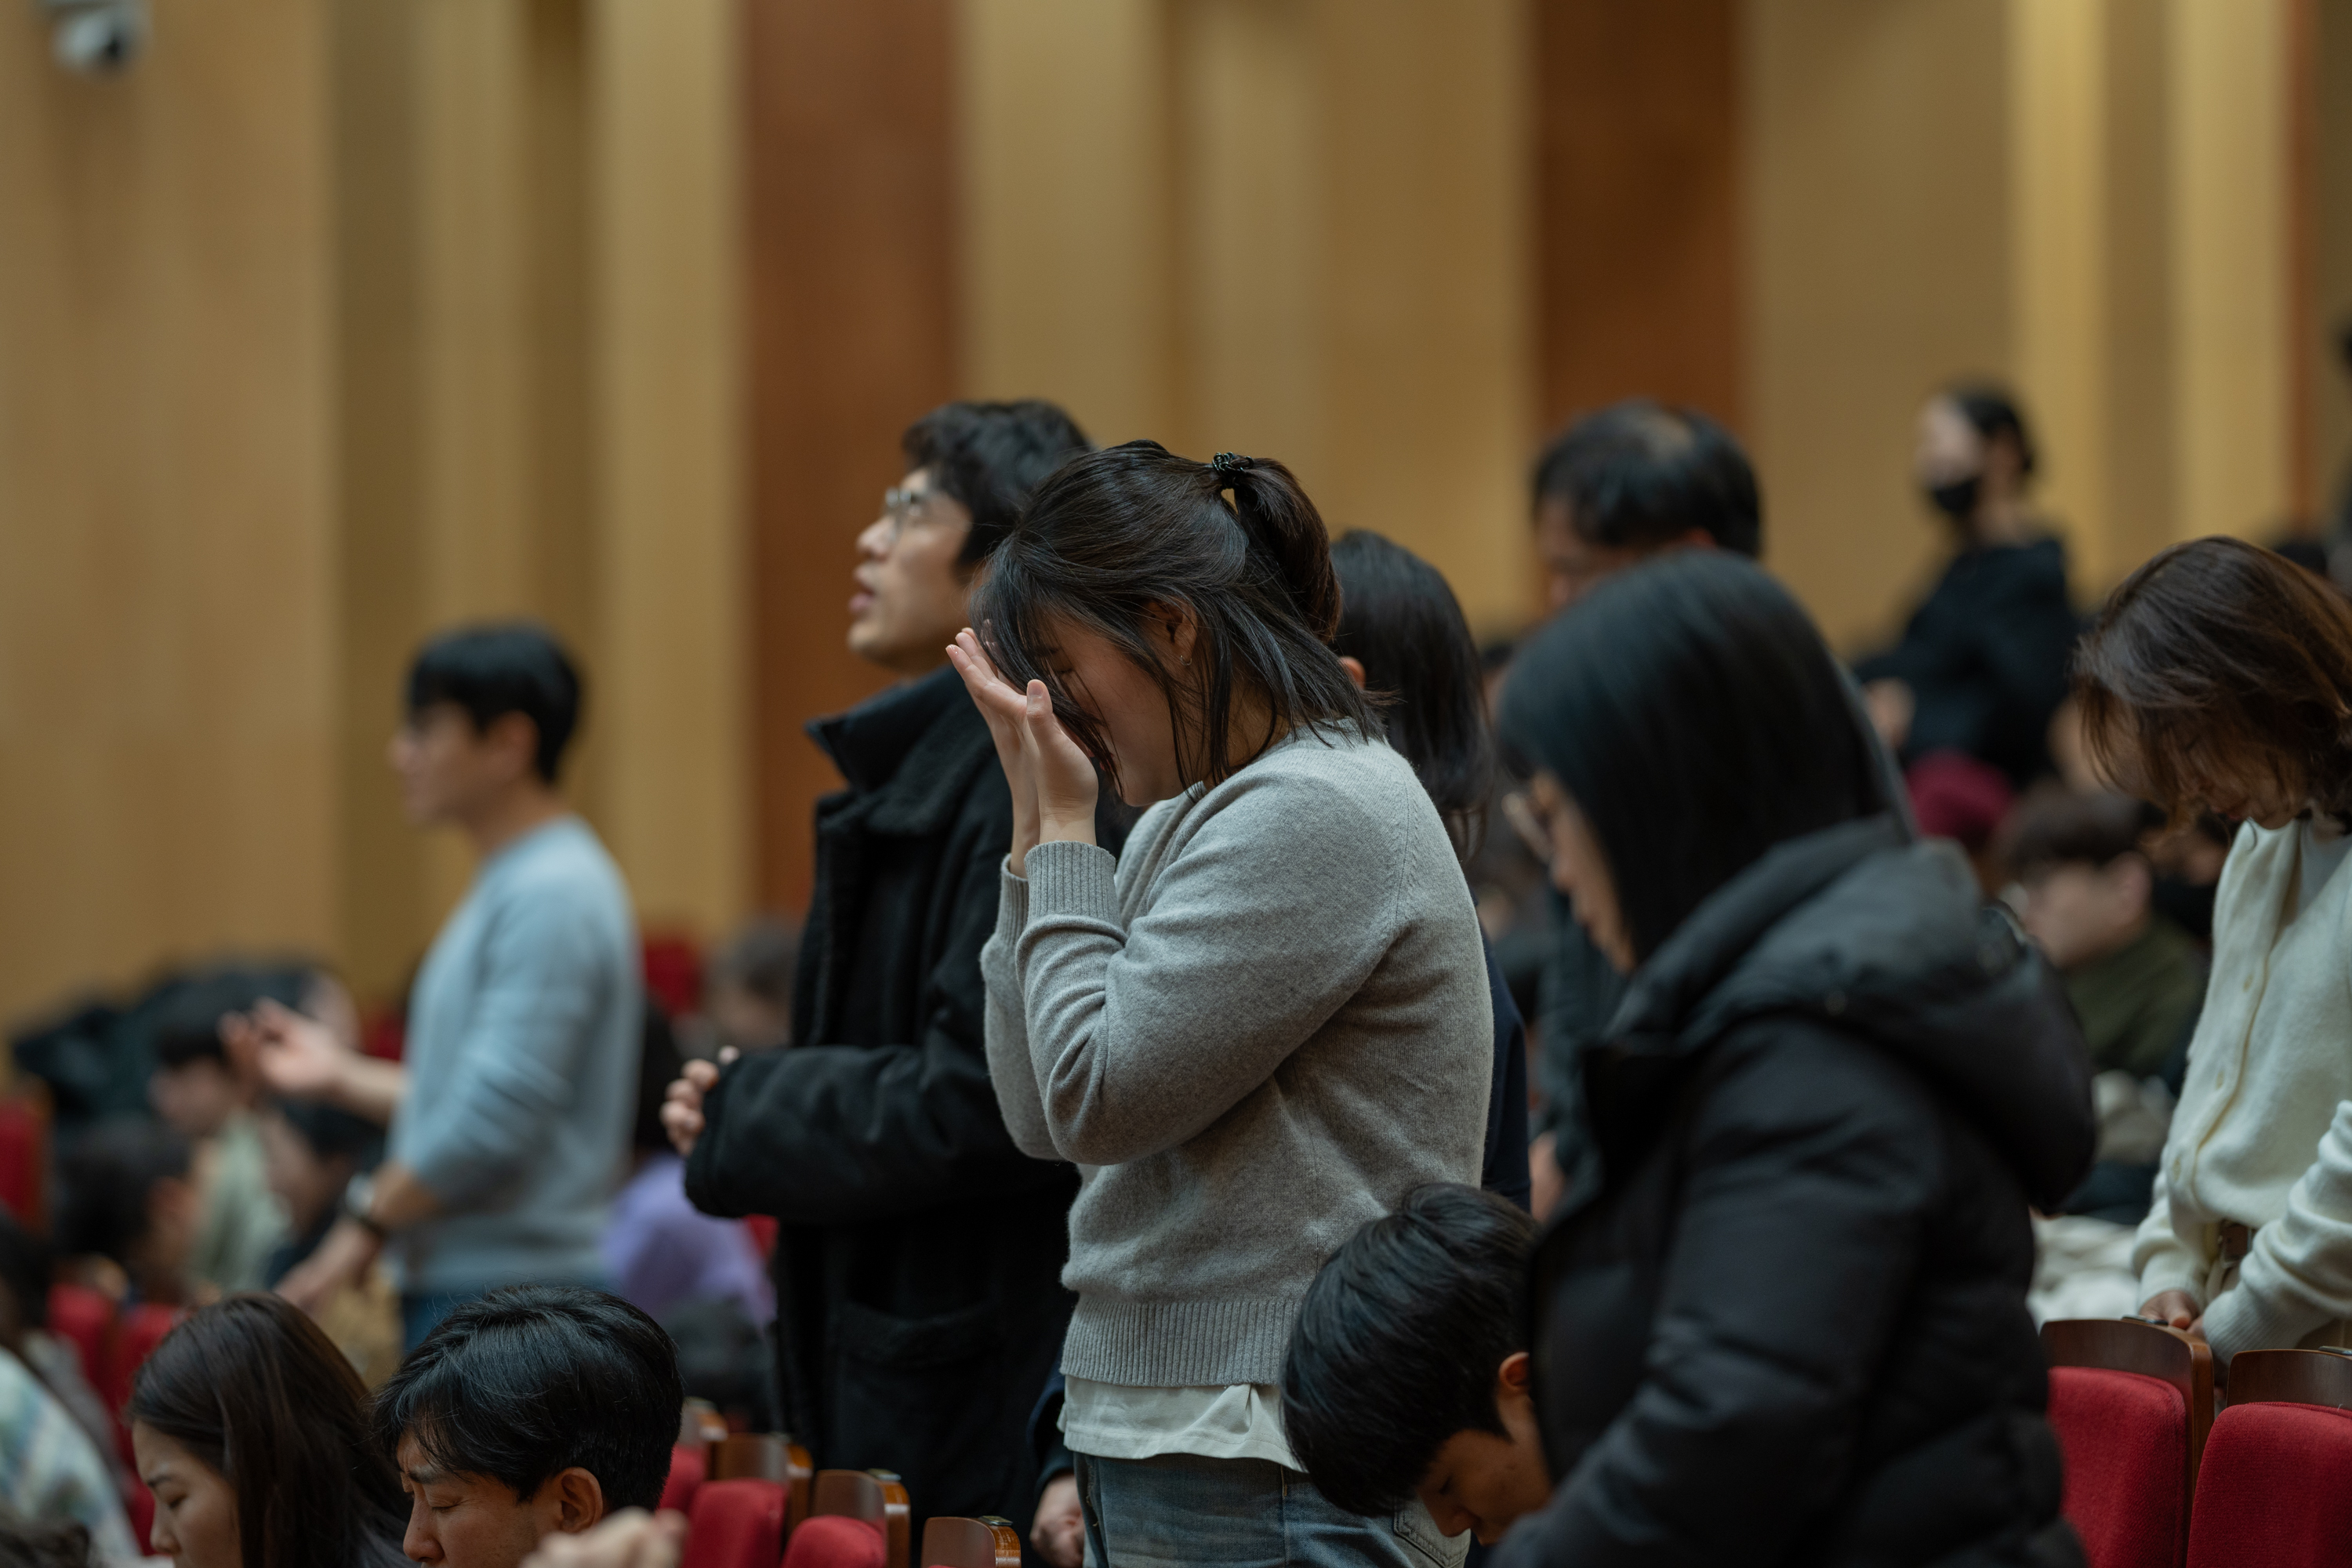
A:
1180	1344
2240	1319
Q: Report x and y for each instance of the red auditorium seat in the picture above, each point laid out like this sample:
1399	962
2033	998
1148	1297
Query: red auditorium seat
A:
836	1541
85	1318
2276	1488
987	1543
2130	1403
687	1462
25	1159
765	1457
874	1499
735	1524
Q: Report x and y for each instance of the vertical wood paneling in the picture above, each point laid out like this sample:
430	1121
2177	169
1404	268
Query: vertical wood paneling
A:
1638	172
851	220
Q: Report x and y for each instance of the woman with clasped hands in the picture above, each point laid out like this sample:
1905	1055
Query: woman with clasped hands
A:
1259	1026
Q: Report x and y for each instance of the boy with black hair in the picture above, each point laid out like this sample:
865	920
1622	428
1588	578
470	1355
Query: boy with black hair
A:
1407	1373
529	1411
510	1111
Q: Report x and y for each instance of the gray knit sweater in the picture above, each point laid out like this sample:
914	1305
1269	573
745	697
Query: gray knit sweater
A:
1255	1031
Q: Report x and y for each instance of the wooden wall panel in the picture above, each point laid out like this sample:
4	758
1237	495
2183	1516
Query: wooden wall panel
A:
1637	170
851	227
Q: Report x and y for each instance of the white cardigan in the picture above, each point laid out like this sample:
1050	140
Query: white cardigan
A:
2263	1132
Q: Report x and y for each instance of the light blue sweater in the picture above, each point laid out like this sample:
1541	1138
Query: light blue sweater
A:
523	1034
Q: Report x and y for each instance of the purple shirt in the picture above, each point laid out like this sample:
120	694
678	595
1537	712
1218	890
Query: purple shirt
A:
660	1250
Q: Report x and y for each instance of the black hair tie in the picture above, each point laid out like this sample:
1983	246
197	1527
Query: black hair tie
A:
1225	464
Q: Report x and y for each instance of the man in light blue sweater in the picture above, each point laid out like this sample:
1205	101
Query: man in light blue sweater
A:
510	1115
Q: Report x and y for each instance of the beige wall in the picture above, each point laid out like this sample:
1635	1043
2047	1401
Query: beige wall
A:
2331	389
167	647
322	328
1286	227
1879	236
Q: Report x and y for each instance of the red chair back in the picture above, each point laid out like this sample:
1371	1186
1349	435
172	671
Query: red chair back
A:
766	1456
143	1329
2276	1489
987	1543
139	1506
875	1497
86	1319
735	1524
685	1470
836	1540
25	1159
2130	1403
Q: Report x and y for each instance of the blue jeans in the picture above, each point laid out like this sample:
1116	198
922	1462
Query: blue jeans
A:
1238	1513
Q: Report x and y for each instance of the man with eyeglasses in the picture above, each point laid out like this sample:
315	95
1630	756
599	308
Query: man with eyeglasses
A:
918	1262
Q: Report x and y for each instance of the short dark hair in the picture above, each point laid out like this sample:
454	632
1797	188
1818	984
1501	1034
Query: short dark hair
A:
109	1178
254	1392
1119	534
1638	473
1400	621
25	1270
2055	826
2220	645
1991	411
1399	1340
991	457
1691	709
528	1381
516	667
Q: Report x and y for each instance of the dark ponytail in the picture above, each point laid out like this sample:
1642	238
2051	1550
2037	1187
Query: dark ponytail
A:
1283	524
1119	535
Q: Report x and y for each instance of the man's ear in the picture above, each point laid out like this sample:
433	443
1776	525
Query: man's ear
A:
1514	1375
516	740
1355	668
576	1501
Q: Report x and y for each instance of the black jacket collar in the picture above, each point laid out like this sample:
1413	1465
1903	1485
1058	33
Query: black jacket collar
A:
910	753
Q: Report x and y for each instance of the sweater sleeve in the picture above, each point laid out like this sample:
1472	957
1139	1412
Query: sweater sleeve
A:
1270	919
2162	1259
1008	1032
517	1066
2298	1273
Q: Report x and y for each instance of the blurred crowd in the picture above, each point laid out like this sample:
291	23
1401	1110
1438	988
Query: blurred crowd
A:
1262	1076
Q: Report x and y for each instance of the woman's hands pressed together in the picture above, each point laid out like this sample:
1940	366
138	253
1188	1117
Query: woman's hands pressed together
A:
1053	781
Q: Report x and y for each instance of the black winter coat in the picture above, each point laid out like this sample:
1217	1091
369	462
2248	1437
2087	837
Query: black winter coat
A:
1985	657
1790	1327
918	1257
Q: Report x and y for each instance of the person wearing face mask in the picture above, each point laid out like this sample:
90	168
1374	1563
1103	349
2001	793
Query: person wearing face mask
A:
1982	666
2219	677
917	1313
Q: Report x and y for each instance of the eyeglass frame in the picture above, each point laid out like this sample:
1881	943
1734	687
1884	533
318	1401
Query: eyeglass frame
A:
903	504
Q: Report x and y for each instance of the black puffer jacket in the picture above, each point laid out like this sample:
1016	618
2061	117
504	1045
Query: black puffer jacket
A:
1789	1326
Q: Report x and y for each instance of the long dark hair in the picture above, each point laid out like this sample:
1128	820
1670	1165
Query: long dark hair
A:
256	1392
1400	620
1117	534
2219	645
1692	711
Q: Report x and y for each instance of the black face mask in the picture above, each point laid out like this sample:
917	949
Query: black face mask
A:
1958	500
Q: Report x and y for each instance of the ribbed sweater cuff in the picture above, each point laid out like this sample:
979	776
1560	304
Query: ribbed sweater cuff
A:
2238	1320
1067	878
1180	1344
